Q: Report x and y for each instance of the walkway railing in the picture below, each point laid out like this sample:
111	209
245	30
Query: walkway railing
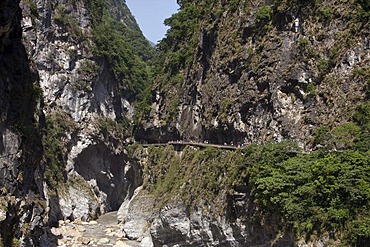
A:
195	144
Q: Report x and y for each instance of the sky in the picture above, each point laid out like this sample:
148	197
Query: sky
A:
150	15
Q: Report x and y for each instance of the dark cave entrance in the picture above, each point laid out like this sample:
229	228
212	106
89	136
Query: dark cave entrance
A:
109	170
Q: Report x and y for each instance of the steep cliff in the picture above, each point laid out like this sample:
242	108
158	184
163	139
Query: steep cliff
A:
253	71
242	73
77	87
70	74
90	75
22	206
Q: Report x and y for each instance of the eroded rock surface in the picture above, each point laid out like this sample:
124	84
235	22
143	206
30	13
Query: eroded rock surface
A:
83	102
251	81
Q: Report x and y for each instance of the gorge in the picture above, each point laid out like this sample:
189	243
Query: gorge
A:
247	125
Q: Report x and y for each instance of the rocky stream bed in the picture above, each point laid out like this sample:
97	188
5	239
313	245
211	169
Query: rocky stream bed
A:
105	231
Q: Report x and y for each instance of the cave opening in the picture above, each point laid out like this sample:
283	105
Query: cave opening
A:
112	174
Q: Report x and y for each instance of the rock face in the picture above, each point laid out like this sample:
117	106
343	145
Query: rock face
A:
176	225
136	216
254	77
82	102
184	216
50	80
251	72
255	71
21	170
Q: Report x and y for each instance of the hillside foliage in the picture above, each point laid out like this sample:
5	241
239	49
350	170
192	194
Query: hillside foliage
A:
313	194
125	49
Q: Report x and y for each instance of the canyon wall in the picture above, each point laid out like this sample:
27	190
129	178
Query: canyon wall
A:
81	89
251	72
65	119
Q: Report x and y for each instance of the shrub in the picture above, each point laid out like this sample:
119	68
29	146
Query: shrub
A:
54	143
324	138
365	4
311	89
116	129
127	52
34	11
325	66
263	15
62	16
313	192
128	68
345	135
89	68
179	40
362	114
362	118
233	5
360	231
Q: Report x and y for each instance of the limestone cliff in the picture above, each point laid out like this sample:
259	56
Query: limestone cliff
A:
254	71
88	105
66	116
77	89
21	178
247	72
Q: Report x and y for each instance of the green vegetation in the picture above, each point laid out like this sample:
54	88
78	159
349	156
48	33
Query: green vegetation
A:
325	66
362	118
364	12
117	129
127	67
178	49
324	138
64	18
180	39
263	15
16	242
198	175
233	4
314	194
311	89
363	74
72	53
347	135
89	68
197	21
225	106
125	49
54	144
34	11
327	13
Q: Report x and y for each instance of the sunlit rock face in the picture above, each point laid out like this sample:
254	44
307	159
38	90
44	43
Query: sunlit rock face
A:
62	154
252	81
63	144
175	224
235	77
80	94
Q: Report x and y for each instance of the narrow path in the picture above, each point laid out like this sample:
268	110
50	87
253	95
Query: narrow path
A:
196	144
104	232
